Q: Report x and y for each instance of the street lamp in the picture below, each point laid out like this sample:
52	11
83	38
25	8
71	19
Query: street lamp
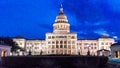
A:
18	51
88	53
79	51
102	52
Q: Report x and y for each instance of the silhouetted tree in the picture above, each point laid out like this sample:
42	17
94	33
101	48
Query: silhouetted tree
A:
9	41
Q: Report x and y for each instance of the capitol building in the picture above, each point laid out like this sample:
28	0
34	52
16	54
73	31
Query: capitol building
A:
62	41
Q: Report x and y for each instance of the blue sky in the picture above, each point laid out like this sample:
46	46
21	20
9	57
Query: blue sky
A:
33	18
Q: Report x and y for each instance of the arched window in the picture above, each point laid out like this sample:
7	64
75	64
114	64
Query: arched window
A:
61	42
57	46
61	46
57	42
65	42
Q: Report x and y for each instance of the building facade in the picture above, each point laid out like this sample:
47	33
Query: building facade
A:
115	50
62	41
4	51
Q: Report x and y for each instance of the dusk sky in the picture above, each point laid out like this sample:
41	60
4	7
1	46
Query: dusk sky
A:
33	18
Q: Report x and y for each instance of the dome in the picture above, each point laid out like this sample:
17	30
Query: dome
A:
61	17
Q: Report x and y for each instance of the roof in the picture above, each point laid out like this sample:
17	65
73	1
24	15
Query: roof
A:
88	39
116	44
35	39
5	46
19	37
105	36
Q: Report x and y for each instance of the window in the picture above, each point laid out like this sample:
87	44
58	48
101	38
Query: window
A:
61	46
61	51
28	48
61	36
65	52
36	48
68	42
53	42
55	27
91	47
48	42
91	43
95	44
61	26
65	42
53	46
52	51
69	47
85	47
53	37
65	46
79	43
102	47
57	46
49	37
36	43
106	43
20	43
69	36
69	51
64	26
57	42
85	43
73	42
73	46
73	37
61	42
102	43
57	51
95	47
31	44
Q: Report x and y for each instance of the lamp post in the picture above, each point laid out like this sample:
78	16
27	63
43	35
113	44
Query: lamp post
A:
88	53
79	51
18	51
102	52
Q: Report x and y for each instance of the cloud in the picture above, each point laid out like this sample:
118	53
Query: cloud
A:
84	10
101	31
86	17
99	23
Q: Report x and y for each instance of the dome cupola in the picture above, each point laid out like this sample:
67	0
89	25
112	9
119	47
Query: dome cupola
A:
61	17
61	24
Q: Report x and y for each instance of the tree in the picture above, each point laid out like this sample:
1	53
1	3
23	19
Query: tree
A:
8	41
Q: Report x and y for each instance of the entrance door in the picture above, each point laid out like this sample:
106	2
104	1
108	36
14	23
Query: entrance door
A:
116	54
3	53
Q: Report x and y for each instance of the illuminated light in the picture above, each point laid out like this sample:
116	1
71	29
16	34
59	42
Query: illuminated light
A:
3	53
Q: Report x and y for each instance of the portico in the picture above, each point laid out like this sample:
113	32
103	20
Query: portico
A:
4	50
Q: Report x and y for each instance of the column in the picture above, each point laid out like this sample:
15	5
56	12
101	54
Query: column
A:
118	54
0	54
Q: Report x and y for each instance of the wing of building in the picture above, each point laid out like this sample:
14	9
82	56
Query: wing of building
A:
62	41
